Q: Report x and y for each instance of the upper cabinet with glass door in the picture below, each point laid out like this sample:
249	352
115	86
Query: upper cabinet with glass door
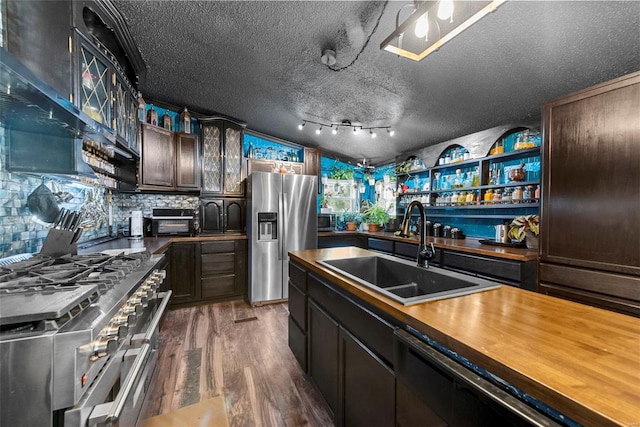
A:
222	149
107	65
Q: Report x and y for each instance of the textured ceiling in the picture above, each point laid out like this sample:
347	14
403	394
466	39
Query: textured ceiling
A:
260	62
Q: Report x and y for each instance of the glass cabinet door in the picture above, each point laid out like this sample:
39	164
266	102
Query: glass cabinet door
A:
233	160
120	107
212	158
94	87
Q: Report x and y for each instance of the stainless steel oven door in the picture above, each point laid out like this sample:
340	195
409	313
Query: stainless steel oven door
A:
117	395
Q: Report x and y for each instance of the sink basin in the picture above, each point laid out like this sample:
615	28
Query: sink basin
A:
404	281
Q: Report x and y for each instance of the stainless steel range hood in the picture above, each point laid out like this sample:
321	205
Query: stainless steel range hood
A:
43	130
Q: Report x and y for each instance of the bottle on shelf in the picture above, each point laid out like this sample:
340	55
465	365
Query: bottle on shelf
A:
185	121
537	194
152	116
488	197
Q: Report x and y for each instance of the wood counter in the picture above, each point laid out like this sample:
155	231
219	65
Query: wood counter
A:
468	245
580	360
157	245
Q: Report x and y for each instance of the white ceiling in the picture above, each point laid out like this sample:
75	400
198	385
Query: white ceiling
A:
260	62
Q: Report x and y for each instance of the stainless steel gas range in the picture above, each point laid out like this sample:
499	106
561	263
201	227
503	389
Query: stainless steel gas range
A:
78	338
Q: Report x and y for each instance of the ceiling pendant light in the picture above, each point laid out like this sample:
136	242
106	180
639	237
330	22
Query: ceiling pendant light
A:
467	15
445	10
301	125
422	26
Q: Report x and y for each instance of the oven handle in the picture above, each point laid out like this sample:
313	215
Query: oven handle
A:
166	296
115	408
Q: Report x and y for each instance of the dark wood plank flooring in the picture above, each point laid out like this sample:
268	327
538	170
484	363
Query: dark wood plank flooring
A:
241	353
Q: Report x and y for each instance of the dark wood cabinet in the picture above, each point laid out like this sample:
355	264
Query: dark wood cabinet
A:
222	153
223	216
345	348
342	241
221	272
590	233
312	161
169	161
323	354
367	386
187	161
157	159
203	272
182	264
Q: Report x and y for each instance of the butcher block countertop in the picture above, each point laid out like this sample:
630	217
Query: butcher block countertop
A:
468	245
580	360
156	245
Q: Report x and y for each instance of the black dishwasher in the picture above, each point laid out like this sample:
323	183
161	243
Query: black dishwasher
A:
433	389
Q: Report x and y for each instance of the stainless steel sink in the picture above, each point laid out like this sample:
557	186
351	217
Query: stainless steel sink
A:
404	281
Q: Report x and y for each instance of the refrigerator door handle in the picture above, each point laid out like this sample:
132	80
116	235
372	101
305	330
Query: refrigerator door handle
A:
281	226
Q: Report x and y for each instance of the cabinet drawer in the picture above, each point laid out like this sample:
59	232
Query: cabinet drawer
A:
298	277
298	306
217	264
219	286
381	245
368	327
218	247
298	343
491	267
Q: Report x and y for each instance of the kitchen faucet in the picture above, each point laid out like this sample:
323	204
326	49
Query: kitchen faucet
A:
425	252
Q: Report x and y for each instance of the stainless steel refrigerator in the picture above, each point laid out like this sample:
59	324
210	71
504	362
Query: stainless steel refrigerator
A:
281	217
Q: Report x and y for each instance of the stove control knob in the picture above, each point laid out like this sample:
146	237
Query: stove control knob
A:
132	309
105	346
114	330
136	299
123	319
161	274
151	284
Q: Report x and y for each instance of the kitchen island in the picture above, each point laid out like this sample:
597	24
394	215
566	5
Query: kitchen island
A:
581	361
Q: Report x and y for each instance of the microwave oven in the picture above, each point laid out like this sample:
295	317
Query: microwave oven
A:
176	222
326	222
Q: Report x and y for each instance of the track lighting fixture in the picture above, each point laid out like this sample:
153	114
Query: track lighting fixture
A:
335	127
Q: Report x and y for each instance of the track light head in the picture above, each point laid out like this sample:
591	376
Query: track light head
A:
391	132
301	125
334	130
319	130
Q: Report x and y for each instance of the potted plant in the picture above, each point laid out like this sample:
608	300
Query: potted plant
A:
526	226
376	216
352	219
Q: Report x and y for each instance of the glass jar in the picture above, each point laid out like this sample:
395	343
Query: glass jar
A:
516	196
488	197
470	198
497	196
527	194
506	196
536	194
454	198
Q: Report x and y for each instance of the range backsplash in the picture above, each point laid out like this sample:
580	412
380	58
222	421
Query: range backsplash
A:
20	232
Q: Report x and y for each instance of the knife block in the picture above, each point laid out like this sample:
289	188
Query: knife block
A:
59	243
